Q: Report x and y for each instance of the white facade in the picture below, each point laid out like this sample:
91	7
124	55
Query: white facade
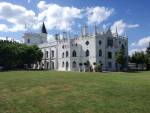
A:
73	54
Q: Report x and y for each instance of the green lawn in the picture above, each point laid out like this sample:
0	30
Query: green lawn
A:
68	92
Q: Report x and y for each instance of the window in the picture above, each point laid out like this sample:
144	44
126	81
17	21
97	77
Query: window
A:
74	54
87	53
110	43
100	52
67	65
109	64
52	53
100	42
63	64
67	54
63	46
62	55
109	55
28	40
47	65
46	54
122	47
74	64
87	42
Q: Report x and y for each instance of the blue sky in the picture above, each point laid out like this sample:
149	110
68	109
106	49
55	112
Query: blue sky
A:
130	16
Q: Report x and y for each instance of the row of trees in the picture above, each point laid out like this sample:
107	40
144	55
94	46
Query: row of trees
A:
15	55
142	58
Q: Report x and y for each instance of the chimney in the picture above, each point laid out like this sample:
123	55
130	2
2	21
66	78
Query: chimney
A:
84	31
57	37
64	35
95	30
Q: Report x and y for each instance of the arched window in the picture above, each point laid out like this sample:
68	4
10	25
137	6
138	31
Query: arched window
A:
74	54
63	64
87	53
100	52
52	53
122	47
46	54
74	64
67	65
63	55
87	42
67	54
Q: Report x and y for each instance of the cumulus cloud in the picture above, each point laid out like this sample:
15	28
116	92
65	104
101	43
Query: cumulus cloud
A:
98	14
143	42
58	17
132	51
140	45
3	27
122	26
16	15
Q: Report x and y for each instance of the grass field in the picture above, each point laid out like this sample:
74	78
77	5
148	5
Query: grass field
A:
68	92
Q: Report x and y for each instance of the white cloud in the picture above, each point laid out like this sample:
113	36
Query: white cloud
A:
122	26
3	28
98	14
16	15
132	51
143	42
58	17
133	25
50	38
140	45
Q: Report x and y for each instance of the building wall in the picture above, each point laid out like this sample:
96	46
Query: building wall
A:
58	55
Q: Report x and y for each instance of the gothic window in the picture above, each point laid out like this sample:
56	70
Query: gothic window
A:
87	53
74	54
110	43
46	54
47	65
100	42
62	55
52	53
122	47
100	52
63	46
109	55
67	54
74	64
67	65
63	64
28	40
87	43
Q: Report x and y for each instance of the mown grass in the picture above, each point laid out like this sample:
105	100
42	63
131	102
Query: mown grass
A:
73	92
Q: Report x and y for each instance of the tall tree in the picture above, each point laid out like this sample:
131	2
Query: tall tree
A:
138	58
120	58
16	55
148	57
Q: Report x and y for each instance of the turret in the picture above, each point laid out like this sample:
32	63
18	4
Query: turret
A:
43	29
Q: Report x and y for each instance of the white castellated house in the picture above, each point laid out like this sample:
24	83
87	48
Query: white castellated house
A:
81	53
